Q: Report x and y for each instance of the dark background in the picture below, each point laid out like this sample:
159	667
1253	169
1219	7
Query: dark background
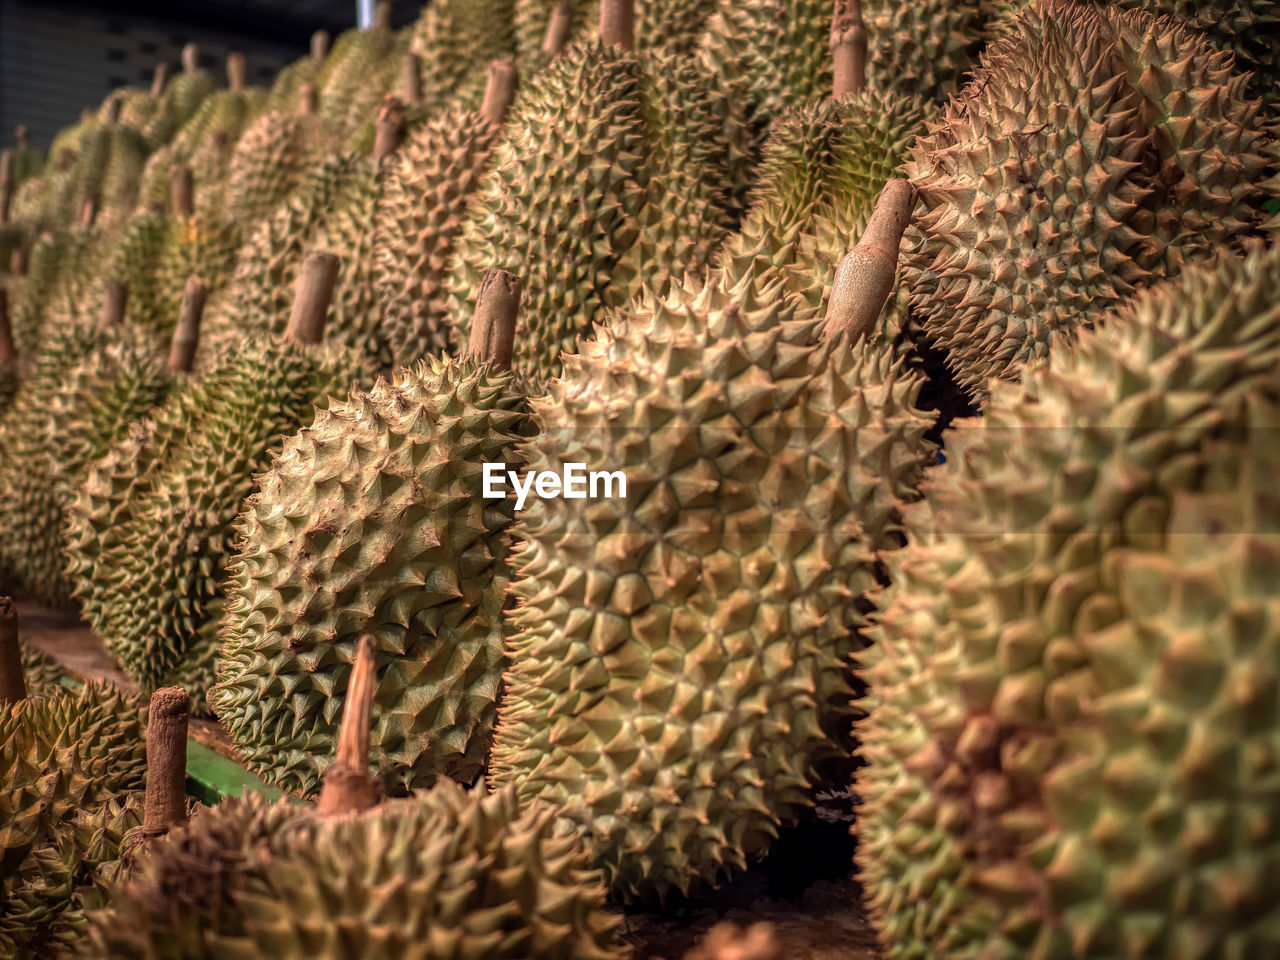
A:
57	58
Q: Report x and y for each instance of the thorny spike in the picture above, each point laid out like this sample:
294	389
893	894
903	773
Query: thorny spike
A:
348	787
865	277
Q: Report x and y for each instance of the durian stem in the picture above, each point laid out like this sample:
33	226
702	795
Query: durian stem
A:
319	44
6	184
493	326
311	297
499	91
113	109
18	262
20	136
308	100
89	211
389	131
66	159
159	79
165	805
218	140
348	787
382	15
13	685
410	79
865	277
8	350
181	191
115	297
190	58
557	30
618	23
186	336
235	72
848	48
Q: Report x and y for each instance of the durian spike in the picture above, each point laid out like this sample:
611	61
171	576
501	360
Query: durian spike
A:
181	190
308	100
159	79
18	262
8	350
165	805
311	297
190	58
88	211
410	79
348	788
493	328
319	44
389	131
382	15
186	336
115	297
618	23
114	103
557	30
6	184
865	277
848	48
499	91
235	71
727	941
13	685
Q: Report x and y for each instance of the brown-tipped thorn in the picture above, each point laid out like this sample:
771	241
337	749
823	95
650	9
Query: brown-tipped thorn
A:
348	787
865	277
618	23
186	336
311	297
493	326
13	685
410	78
308	100
158	79
114	298
848	48
557	34
181	190
236	68
319	44
499	91
390	127
190	58
165	805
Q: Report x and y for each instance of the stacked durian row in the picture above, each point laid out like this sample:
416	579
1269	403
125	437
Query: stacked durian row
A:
755	256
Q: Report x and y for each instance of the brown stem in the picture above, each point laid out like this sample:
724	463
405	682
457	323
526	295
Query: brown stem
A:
6	184
114	104
115	297
382	15
20	136
410	79
319	44
186	336
89	211
66	159
499	91
865	277
311	297
308	100
618	23
557	34
848	48
390	127
181	190
165	804
159	79
493	326
190	58
348	787
8	350
235	71
218	140
18	262
13	685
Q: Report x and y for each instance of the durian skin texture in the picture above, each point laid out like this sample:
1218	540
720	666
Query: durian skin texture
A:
1095	152
1072	721
373	520
678	656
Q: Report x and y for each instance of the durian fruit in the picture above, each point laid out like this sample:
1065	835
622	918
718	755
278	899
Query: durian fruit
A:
137	107
678	664
1083	162
538	41
28	162
1072	689
445	873
183	95
106	173
276	155
288	84
592	198
427	185
358	72
154	587
454	40
398	542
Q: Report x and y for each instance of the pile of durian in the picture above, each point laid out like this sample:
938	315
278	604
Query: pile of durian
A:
938	342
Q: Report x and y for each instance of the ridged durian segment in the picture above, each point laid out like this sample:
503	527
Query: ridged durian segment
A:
42	915
182	97
162	579
678	663
278	153
108	171
454	41
361	68
374	519
1084	161
778	54
1073	681
427	185
61	754
592	198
